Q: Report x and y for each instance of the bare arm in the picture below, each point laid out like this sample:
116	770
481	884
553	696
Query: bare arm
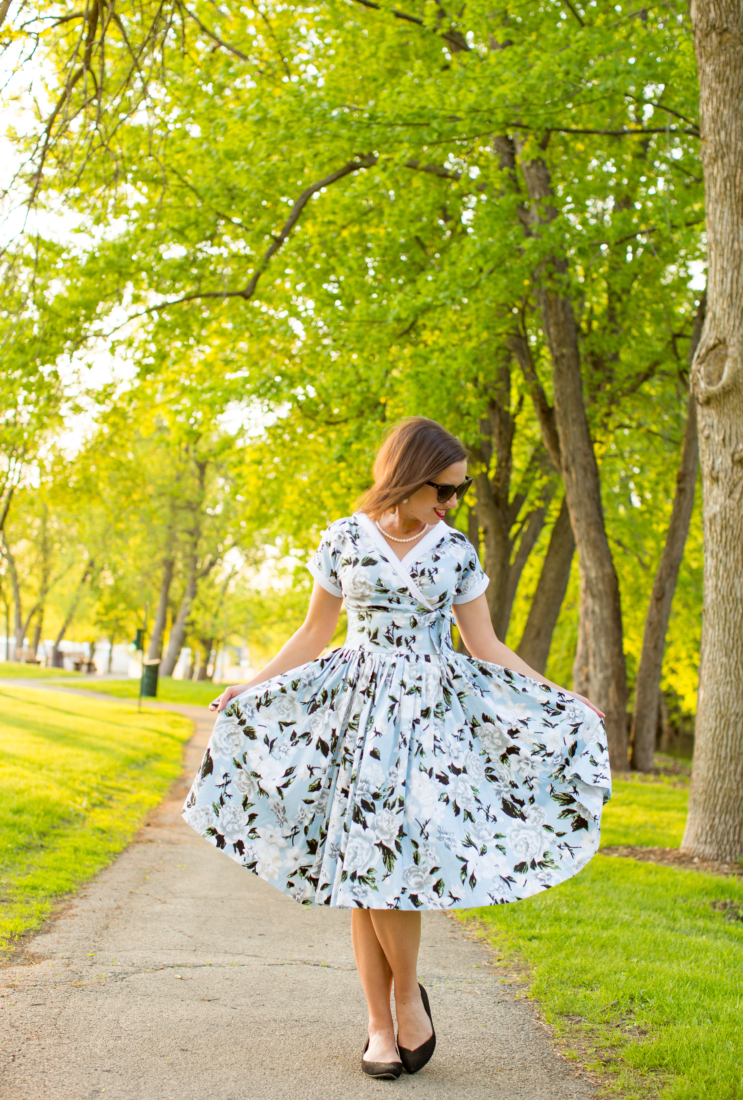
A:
305	645
476	628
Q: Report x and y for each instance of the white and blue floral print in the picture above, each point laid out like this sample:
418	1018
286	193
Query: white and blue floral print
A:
396	773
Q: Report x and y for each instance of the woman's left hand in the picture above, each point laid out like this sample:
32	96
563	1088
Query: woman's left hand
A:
588	703
227	696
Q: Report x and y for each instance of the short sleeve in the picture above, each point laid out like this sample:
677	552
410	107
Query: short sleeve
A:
322	565
472	581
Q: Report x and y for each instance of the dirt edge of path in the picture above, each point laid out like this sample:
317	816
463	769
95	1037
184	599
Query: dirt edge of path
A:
673	857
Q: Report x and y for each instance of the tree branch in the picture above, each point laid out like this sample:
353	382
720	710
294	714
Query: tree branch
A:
545	412
455	38
433	169
620	133
660	107
247	292
570	8
48	129
214	37
6	507
64	19
646	233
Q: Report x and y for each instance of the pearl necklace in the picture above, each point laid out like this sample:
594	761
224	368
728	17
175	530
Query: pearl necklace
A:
392	537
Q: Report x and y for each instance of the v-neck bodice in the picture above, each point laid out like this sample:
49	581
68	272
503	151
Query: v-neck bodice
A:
415	552
355	561
401	605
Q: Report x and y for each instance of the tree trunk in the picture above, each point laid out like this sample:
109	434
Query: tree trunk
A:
207	645
580	475
473	529
71	610
493	485
161	615
714	829
647	687
581	661
44	579
607	671
536	640
6	505
19	629
473	534
497	544
19	634
37	632
532	529
498	517
668	735
180	625
6	605
498	509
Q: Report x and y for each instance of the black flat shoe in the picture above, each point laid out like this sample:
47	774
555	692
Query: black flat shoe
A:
390	1070
413	1060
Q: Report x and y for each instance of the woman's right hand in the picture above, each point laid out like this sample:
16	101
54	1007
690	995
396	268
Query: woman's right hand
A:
227	695
582	699
305	645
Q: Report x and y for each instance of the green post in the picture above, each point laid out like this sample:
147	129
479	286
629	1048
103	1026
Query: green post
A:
150	670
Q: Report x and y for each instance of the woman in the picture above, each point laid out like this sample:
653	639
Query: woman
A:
396	774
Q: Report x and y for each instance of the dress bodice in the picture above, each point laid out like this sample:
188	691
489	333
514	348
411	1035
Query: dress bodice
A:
390	595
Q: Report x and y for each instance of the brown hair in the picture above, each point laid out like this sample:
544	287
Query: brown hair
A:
414	452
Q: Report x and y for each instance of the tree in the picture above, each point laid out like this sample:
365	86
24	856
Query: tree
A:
35	547
574	455
536	639
361	216
166	480
30	388
714	829
71	610
198	561
647	684
510	516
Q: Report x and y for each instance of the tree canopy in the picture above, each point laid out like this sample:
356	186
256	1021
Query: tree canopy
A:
300	223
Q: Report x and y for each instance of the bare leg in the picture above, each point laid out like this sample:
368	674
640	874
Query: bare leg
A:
385	946
399	934
376	979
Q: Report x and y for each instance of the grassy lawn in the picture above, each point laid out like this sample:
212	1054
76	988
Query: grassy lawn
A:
198	693
75	784
650	814
18	670
638	966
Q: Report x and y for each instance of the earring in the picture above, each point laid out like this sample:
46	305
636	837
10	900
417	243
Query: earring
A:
405	500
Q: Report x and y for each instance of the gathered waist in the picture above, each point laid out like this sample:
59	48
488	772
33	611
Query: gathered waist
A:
406	634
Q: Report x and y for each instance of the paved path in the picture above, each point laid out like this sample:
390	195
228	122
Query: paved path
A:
176	975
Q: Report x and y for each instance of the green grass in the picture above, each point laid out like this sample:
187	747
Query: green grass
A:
649	814
76	781
633	965
197	692
17	670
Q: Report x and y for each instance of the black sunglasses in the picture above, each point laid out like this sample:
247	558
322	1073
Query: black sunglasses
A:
446	492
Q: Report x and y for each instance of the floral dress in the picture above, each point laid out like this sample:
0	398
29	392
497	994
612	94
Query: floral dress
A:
396	773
